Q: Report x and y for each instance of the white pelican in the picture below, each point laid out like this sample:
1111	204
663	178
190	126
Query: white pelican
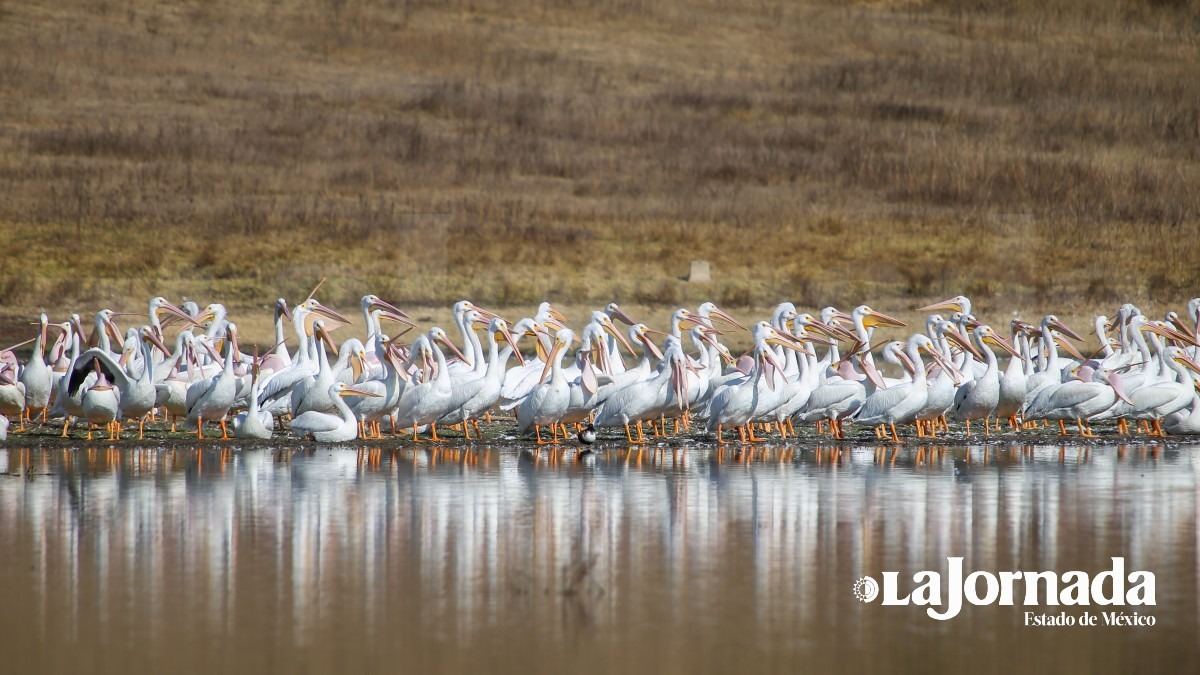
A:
836	398
12	391
1080	399
136	395
36	376
387	387
480	394
1014	381
548	400
737	402
640	400
253	423
977	398
1155	401
901	403
426	402
211	399
100	404
326	428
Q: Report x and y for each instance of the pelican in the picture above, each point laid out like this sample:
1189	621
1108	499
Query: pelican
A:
548	400
480	394
426	402
978	398
902	402
641	399
211	399
1153	402
326	428
388	387
12	391
1014	381
838	397
100	404
253	423
1080	399
737	402
36	376
136	395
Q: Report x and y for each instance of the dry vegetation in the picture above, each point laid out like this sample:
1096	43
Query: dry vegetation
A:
1030	154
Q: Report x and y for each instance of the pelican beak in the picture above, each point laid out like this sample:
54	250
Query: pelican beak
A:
559	315
1065	330
819	339
512	341
963	343
946	365
653	348
318	308
1068	347
1001	343
789	342
323	336
283	309
355	391
1187	361
126	354
1179	325
559	345
488	315
770	367
1170	333
620	315
358	364
113	331
176	314
1114	381
950	305
874	318
612	330
395	315
679	383
158	343
725	318
835	332
450	345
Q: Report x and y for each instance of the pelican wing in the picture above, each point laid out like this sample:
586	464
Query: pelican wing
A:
881	402
313	422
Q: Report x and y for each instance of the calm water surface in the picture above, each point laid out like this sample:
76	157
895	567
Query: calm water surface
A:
684	560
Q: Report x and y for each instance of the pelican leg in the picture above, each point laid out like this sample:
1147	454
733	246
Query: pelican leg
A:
466	429
487	415
565	434
741	431
987	427
141	427
224	430
66	422
820	429
21	419
782	431
200	429
1062	428
750	434
641	436
416	437
1158	428
629	436
433	432
89	436
791	427
895	437
720	440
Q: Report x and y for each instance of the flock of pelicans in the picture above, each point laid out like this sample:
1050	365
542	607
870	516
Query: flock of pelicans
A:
802	369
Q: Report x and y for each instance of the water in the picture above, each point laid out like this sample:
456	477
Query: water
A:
680	560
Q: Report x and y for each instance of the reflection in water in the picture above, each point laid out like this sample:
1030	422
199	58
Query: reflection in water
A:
653	559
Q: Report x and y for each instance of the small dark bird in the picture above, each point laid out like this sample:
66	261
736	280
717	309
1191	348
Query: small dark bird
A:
588	435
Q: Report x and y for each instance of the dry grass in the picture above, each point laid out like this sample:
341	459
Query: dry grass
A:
1033	155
